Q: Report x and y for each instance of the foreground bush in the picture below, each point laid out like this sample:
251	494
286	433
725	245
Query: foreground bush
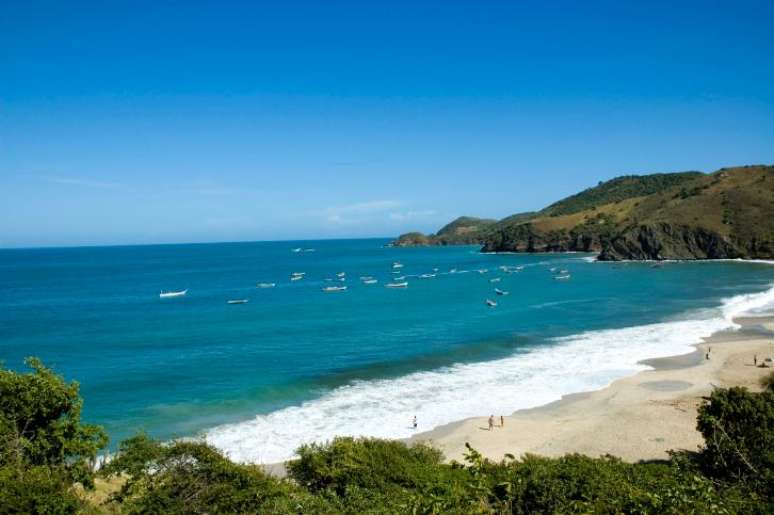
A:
44	447
45	450
738	430
192	477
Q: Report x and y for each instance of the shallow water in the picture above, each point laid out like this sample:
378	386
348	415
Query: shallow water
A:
296	364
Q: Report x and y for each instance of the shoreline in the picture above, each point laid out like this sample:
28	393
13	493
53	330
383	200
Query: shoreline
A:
638	417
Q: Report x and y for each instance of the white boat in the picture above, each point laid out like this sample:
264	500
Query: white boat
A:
435	270
427	276
370	281
168	294
238	301
453	271
562	277
398	279
366	277
483	271
296	250
501	292
396	285
296	277
309	250
491	303
553	269
397	265
564	271
342	279
341	274
519	268
495	280
265	285
329	289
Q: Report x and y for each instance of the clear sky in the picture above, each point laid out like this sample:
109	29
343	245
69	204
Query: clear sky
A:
145	122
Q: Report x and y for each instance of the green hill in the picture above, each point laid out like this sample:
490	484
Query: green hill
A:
618	189
686	215
465	230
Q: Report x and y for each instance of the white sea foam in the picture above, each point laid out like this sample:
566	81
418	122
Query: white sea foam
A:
532	377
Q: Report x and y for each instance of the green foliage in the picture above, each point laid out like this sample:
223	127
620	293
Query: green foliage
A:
361	472
192	477
738	430
40	421
37	489
618	189
44	447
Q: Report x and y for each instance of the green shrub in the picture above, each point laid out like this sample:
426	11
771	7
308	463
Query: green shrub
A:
192	477
738	430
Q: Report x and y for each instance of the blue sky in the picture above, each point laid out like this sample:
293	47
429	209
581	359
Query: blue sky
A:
210	121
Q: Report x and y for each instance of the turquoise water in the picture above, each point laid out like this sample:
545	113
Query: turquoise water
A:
296	364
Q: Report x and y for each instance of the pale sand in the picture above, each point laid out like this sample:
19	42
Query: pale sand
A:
636	418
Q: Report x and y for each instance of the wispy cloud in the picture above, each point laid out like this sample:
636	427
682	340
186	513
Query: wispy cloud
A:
407	216
358	212
84	183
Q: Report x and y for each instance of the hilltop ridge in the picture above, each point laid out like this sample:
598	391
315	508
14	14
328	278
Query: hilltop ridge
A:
684	215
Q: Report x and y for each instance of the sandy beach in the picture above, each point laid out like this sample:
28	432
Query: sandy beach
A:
636	418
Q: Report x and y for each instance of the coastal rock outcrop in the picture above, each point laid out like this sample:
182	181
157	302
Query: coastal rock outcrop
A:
688	215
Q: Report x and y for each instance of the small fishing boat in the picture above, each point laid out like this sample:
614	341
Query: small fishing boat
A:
396	285
553	269
370	281
483	271
491	303
494	280
453	271
501	292
169	294
238	301
342	279
564	271
398	279
366	277
341	274
297	250
310	250
435	270
397	264
329	289
427	276
562	277
296	277
519	268
265	285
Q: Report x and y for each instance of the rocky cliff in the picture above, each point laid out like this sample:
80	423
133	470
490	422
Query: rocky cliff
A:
689	215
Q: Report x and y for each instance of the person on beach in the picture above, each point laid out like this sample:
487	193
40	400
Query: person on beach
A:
502	421
755	360
414	423
491	422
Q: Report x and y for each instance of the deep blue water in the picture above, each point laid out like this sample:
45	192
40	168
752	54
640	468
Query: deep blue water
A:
177	367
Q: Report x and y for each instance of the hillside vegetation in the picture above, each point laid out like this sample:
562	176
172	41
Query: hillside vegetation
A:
465	230
687	215
44	449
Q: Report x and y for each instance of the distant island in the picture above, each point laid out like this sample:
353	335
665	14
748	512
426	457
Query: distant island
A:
727	214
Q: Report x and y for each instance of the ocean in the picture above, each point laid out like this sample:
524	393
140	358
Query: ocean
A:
296	365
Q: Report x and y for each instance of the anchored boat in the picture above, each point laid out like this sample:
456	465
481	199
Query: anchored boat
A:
168	294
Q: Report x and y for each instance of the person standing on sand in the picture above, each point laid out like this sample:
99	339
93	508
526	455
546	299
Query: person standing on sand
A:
502	421
414	423
755	360
491	422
